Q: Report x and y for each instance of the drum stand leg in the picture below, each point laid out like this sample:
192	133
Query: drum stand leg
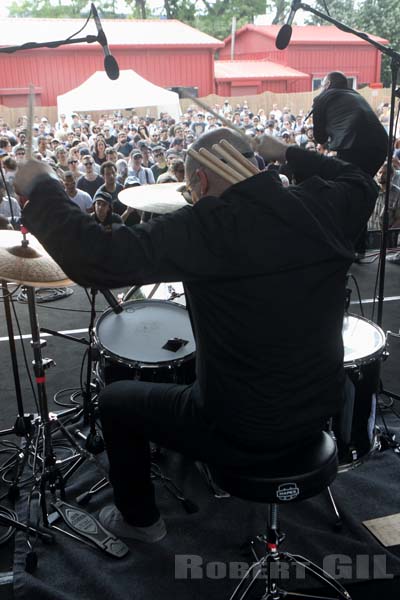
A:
23	426
338	523
93	441
50	475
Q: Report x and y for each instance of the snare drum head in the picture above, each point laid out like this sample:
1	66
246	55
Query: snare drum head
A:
138	334
362	339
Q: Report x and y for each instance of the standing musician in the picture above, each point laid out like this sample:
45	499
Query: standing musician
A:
344	119
264	273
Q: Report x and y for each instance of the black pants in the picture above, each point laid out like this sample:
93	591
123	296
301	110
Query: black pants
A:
132	414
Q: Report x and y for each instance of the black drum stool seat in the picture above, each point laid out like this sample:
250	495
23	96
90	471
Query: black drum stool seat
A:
291	479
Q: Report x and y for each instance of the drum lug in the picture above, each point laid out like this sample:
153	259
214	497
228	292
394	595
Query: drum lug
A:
385	355
353	454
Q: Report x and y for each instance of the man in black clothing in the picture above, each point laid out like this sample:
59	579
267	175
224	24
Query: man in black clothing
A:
266	313
103	212
342	117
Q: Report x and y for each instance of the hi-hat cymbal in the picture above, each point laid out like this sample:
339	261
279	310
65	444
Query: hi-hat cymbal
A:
28	265
160	198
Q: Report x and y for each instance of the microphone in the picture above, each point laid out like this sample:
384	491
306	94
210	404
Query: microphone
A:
112	301
285	32
110	64
308	115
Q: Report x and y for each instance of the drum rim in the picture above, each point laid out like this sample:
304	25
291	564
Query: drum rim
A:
140	364
369	357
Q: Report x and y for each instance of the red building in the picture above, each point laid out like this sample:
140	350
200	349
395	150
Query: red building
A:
166	52
313	50
250	77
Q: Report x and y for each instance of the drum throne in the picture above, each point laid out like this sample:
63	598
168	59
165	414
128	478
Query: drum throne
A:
293	479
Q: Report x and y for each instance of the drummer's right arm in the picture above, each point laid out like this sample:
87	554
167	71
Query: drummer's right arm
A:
170	248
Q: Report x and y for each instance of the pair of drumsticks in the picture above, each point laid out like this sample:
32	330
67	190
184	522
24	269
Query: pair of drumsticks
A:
226	161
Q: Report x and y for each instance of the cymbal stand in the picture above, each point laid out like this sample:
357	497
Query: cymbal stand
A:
93	442
51	474
23	426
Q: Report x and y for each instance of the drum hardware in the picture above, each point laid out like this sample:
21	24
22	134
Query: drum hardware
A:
138	293
132	344
25	261
156	474
132	292
354	428
23	428
388	393
207	476
94	443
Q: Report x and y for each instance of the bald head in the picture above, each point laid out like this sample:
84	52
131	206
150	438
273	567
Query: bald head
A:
335	80
202	180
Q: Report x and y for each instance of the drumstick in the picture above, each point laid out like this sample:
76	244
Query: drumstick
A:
205	106
232	162
234	152
222	165
30	122
203	160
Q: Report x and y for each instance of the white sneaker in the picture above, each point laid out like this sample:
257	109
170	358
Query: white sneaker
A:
112	519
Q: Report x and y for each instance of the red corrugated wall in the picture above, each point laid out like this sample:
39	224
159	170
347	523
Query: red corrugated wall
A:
58	71
278	86
362	62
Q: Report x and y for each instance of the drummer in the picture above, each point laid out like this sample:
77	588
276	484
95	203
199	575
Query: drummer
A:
264	272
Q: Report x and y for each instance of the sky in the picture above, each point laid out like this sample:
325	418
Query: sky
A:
158	4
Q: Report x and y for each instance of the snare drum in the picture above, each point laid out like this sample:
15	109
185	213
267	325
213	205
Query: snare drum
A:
150	340
354	428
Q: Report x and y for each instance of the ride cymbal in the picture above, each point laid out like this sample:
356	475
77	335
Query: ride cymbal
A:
160	198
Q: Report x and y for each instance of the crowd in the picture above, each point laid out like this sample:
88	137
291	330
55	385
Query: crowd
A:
97	159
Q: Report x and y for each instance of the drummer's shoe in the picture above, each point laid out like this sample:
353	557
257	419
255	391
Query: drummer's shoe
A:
394	258
358	257
113	520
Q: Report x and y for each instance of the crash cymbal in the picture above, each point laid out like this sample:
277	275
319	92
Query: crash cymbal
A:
28	265
160	198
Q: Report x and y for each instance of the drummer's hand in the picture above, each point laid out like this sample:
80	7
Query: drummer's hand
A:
27	172
270	148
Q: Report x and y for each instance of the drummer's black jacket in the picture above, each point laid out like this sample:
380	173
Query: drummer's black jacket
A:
264	272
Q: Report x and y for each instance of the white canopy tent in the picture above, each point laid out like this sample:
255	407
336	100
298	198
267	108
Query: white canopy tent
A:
130	90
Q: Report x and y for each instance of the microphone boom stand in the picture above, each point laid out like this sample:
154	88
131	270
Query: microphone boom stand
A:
395	62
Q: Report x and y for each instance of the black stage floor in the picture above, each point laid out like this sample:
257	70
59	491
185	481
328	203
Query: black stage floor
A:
72	314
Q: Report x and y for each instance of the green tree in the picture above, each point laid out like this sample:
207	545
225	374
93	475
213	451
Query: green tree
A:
376	17
216	17
281	9
183	10
138	8
342	10
382	18
48	9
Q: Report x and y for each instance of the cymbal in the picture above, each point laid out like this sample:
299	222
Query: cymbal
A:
28	265
160	198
